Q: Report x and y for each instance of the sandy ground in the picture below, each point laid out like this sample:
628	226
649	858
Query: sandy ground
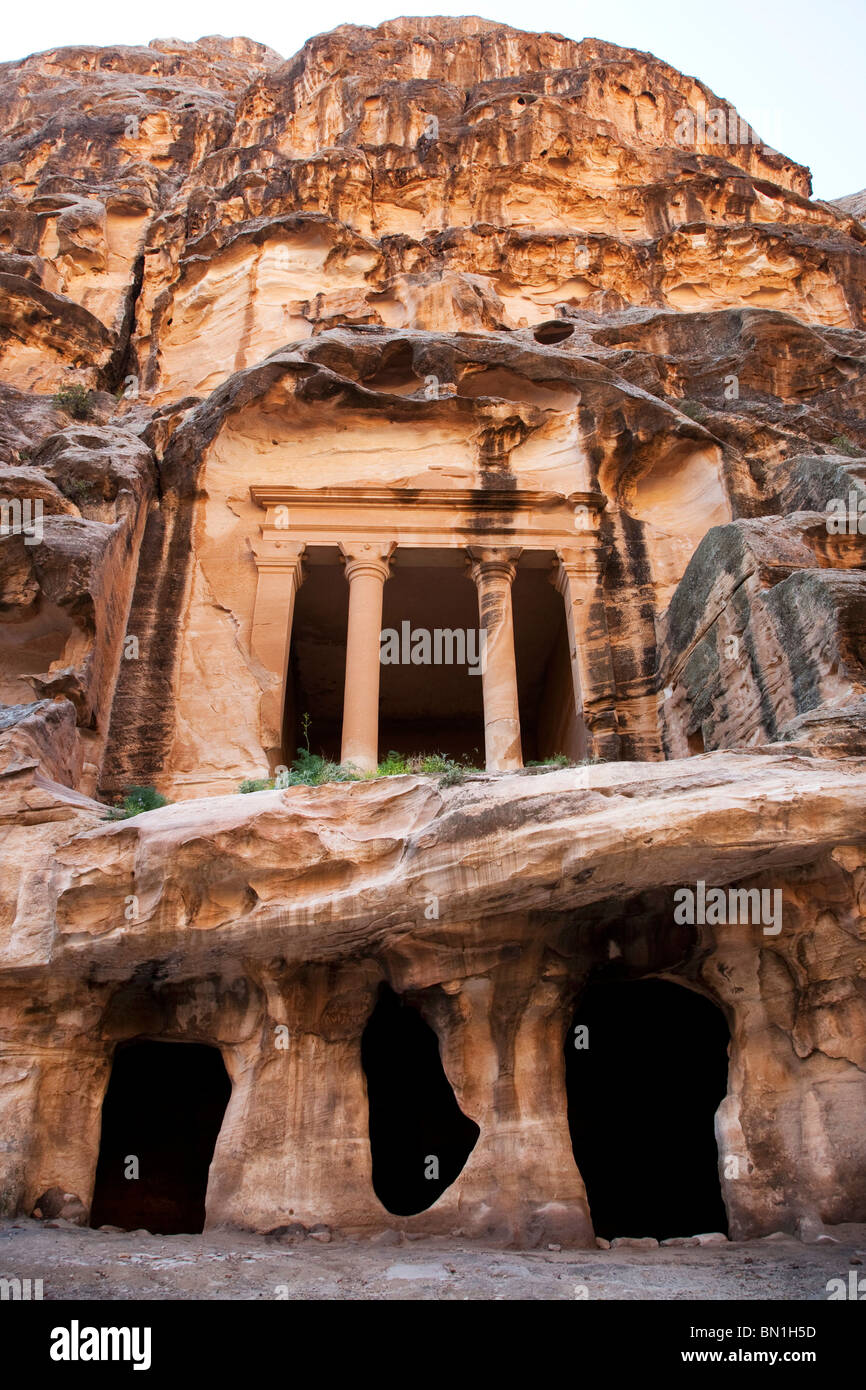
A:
77	1263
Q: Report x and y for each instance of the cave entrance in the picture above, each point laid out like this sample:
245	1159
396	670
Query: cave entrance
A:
642	1095
419	1137
160	1119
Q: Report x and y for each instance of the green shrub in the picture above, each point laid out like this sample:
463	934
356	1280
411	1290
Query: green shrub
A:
694	410
843	445
136	800
450	771
557	760
75	488
454	774
395	765
312	770
76	401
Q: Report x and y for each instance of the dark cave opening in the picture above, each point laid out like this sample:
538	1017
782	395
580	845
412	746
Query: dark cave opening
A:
696	743
419	1137
642	1094
163	1108
553	330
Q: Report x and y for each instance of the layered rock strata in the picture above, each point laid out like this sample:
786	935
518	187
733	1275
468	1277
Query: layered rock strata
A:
432	302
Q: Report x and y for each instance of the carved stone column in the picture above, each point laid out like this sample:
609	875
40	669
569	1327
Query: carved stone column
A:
493	571
577	576
367	568
280	568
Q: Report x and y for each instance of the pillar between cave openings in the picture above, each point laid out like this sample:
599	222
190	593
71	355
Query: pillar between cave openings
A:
577	576
367	566
493	570
280	575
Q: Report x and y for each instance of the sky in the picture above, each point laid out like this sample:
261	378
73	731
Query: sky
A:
793	68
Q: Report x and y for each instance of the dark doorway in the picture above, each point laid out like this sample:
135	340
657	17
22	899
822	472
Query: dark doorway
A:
545	685
317	657
414	1115
431	688
434	706
163	1107
641	1101
429	702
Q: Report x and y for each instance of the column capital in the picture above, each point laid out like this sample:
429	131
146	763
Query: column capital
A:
584	557
367	557
578	566
279	555
493	562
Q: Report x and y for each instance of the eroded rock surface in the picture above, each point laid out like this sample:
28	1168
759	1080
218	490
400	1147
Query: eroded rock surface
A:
477	280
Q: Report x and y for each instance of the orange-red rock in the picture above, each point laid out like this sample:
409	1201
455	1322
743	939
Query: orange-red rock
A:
469	284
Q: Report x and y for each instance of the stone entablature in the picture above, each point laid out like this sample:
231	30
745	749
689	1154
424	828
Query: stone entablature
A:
527	518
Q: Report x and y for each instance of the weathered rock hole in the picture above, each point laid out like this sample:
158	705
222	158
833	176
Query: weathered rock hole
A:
642	1096
696	742
554	331
163	1108
419	1137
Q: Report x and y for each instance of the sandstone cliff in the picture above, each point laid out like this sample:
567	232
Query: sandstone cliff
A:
454	263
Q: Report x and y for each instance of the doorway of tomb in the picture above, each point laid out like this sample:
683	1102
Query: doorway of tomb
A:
549	723
646	1065
431	689
419	1137
160	1120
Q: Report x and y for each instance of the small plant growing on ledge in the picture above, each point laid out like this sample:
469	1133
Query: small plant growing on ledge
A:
694	410
136	800
76	489
313	770
843	445
76	401
394	765
449	770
